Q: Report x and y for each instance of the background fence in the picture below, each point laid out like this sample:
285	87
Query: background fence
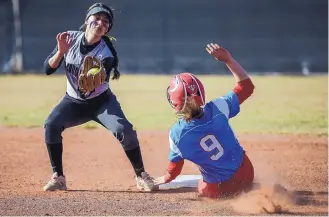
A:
168	36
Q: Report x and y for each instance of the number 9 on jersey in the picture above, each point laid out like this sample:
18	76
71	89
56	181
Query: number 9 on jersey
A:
210	143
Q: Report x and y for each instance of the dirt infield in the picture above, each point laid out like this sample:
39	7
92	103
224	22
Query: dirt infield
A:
100	177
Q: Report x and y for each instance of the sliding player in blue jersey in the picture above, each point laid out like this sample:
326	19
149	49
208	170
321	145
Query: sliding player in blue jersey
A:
203	134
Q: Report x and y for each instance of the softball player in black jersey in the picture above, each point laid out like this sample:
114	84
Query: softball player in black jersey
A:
100	105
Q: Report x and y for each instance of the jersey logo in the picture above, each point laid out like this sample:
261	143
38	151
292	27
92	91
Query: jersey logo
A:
192	87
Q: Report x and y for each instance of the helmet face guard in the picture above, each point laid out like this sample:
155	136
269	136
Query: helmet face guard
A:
181	87
168	97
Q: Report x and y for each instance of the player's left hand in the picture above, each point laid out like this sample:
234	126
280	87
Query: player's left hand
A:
88	79
218	52
159	180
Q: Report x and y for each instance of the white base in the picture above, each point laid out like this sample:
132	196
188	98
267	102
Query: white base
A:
187	181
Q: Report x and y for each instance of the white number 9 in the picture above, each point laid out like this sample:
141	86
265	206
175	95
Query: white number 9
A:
214	145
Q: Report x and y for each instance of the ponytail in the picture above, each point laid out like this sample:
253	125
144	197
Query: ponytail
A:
108	41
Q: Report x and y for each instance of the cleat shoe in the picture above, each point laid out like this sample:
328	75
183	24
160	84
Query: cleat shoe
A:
145	182
56	183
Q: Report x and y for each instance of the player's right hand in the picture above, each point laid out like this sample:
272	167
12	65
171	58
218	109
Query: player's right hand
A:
218	52
159	181
64	41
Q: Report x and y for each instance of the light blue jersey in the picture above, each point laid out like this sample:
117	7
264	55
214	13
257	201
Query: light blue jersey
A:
209	142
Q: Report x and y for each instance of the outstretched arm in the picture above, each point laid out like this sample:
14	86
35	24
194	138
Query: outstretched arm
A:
176	163
244	87
174	169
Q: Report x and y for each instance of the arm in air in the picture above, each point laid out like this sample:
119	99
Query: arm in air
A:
244	87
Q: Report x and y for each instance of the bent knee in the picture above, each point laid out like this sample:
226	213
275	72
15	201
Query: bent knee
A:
127	138
208	189
53	133
248	170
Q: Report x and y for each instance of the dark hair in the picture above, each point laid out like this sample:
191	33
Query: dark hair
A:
108	39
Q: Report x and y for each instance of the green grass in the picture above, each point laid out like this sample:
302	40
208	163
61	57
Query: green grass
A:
280	104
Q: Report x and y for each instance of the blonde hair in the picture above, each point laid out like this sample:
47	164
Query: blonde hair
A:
191	110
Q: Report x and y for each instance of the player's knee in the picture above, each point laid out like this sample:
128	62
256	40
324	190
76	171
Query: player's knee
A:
208	189
249	170
127	138
53	133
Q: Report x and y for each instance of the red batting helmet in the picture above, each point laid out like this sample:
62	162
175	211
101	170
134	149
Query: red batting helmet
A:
182	86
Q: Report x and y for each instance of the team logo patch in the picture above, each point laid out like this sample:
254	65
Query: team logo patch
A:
192	87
